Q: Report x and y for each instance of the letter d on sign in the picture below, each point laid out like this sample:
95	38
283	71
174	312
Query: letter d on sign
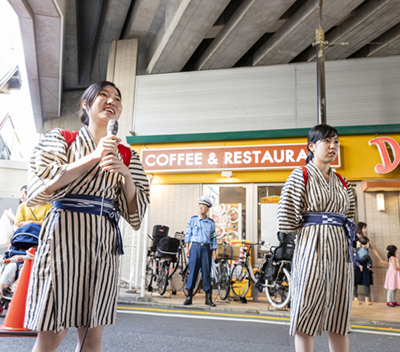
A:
386	166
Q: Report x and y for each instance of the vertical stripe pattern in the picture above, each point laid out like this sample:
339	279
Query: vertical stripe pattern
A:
60	288
322	274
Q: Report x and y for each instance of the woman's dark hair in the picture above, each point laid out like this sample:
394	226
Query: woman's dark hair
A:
318	133
359	227
391	251
24	187
90	95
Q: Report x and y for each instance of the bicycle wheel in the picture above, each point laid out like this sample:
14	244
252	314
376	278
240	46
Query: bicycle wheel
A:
278	290
163	278
224	282
240	280
196	286
149	274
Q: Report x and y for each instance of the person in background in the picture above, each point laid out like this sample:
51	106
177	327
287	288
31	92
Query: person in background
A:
319	204
392	282
22	199
31	215
201	246
361	230
362	270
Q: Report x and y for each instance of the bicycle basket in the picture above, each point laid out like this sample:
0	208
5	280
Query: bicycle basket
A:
286	237
168	247
284	251
159	231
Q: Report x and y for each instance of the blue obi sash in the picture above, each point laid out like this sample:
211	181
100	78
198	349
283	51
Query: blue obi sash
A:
333	219
80	203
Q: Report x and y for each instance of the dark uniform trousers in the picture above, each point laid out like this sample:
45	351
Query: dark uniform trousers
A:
200	257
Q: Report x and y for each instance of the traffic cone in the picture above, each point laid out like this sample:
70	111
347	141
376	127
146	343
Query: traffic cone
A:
14	322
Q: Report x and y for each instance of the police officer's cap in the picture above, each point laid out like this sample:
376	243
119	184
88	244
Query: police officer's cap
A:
206	201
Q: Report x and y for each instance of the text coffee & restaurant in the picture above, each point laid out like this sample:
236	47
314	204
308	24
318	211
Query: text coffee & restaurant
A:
244	172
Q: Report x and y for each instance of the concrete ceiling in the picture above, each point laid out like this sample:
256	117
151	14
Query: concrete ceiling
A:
188	35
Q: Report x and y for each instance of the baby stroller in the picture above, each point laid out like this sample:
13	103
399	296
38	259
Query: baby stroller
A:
23	238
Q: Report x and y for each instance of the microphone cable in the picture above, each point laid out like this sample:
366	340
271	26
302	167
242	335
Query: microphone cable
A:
112	129
95	264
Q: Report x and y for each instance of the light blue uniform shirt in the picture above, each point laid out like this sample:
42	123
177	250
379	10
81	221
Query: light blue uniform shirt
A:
201	231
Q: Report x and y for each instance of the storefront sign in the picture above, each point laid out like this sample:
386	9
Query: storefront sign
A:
387	165
282	156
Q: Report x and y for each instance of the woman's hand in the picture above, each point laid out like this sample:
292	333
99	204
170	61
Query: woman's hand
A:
112	163
107	145
384	263
361	267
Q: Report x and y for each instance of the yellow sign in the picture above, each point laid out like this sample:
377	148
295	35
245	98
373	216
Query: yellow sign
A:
270	200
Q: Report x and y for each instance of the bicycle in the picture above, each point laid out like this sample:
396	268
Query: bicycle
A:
220	279
182	263
276	286
158	268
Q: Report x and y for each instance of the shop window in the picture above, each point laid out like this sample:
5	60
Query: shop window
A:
228	211
267	223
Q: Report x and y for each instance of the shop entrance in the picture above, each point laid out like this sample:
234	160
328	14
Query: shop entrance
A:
229	210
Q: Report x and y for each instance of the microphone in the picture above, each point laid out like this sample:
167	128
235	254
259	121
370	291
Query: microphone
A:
112	128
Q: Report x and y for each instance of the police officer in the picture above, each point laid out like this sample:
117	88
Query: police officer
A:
201	244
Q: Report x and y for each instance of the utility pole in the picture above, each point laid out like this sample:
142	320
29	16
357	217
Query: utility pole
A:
320	47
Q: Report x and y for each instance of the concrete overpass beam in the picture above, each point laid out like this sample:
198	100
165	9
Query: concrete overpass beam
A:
179	38
299	31
389	43
251	20
42	29
110	28
141	17
369	22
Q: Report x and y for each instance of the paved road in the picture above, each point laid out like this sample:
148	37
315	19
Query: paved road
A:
149	329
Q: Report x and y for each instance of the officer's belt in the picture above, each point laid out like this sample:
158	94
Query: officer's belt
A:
202	244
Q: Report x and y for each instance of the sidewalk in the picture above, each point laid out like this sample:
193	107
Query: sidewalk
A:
375	314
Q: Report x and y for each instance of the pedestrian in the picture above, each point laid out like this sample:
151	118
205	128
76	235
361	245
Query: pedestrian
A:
201	247
362	270
361	230
22	199
74	280
392	282
318	203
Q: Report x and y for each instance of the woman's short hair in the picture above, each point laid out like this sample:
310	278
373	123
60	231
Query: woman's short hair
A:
318	133
359	227
391	251
24	187
90	95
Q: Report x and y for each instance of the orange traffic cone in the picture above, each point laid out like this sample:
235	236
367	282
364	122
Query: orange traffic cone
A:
14	322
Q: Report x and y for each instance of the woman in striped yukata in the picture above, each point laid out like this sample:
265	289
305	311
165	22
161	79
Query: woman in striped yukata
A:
319	204
72	173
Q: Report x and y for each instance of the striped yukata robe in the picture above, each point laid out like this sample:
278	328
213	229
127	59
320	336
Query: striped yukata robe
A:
322	273
59	294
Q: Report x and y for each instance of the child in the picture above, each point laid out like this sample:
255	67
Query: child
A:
362	269
392	282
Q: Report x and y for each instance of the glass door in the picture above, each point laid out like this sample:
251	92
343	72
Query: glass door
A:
228	211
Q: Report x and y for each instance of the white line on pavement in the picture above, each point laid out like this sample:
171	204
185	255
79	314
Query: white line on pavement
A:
206	317
244	320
